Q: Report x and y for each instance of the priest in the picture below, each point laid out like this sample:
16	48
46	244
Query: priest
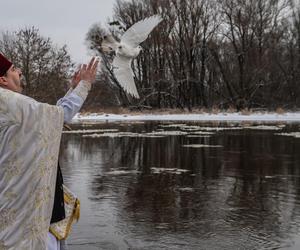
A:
30	134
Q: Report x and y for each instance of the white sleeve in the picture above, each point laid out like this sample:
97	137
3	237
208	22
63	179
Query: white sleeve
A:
73	100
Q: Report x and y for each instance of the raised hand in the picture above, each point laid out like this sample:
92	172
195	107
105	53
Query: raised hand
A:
76	78
88	72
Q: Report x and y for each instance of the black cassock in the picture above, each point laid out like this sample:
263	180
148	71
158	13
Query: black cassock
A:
58	212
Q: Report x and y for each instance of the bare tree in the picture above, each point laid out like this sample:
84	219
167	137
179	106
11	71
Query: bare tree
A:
46	68
248	33
240	53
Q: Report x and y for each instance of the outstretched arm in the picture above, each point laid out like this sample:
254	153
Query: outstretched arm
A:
80	87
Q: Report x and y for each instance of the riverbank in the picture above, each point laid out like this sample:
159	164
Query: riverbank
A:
186	116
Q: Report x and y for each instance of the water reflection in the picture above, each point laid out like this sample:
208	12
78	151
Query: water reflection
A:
244	195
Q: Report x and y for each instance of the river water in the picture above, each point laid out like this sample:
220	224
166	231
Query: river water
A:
160	185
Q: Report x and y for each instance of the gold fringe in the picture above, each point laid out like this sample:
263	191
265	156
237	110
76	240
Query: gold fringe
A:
75	216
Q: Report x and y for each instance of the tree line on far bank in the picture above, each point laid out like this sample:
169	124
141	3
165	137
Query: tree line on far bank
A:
241	54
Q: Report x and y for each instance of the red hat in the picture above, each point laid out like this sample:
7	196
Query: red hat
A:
5	64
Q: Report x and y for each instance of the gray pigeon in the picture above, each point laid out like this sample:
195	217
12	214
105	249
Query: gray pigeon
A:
127	49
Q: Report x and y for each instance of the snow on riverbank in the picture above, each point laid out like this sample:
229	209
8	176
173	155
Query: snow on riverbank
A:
290	117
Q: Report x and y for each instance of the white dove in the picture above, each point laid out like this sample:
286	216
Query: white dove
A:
128	49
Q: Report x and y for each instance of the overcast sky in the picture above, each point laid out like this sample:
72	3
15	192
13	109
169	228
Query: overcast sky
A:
64	21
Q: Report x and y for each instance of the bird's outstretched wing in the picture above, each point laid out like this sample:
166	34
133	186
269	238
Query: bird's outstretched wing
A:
124	74
139	32
109	43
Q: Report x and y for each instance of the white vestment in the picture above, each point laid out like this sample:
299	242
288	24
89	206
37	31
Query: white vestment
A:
52	242
30	134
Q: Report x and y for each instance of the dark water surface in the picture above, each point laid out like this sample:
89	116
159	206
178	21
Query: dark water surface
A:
243	194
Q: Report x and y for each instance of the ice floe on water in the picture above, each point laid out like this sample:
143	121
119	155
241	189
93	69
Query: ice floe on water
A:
293	134
119	134
203	133
182	130
200	129
198	136
220	128
190	128
85	125
186	189
201	146
122	172
269	177
169	170
194	128
88	131
176	125
154	134
162	226
176	132
265	127
125	134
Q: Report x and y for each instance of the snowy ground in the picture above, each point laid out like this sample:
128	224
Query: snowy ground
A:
290	117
